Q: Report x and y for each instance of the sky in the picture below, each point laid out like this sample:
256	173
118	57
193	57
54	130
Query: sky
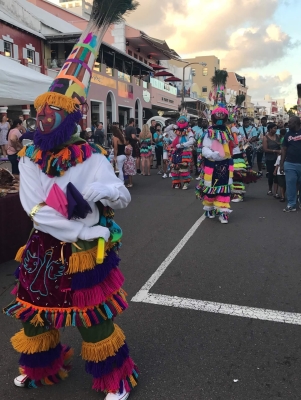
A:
259	39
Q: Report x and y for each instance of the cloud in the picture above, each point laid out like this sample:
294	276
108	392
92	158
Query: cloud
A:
241	33
277	86
257	47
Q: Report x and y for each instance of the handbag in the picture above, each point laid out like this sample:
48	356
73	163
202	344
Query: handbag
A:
177	156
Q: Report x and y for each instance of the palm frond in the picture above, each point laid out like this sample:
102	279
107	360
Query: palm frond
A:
240	99
219	78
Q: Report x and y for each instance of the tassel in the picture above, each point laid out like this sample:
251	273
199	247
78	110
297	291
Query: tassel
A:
37	320
82	261
19	254
30	345
100	351
22	153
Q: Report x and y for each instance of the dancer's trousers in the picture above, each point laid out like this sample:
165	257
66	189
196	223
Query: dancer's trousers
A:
46	361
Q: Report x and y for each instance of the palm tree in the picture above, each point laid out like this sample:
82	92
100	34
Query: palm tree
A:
240	99
219	81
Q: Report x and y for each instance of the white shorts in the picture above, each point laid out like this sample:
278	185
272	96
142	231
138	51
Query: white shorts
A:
165	155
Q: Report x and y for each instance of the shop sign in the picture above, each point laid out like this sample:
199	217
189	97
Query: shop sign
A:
146	96
103	80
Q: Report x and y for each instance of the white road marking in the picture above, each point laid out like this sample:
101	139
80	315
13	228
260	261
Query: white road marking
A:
221	308
143	296
143	292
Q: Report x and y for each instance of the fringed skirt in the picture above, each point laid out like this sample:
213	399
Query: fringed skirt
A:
214	188
60	284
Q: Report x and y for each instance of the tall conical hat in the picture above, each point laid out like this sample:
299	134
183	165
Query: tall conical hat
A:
58	110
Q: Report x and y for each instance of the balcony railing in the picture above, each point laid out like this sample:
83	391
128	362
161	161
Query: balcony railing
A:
34	67
163	86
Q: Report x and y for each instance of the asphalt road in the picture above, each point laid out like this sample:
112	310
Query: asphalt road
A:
187	354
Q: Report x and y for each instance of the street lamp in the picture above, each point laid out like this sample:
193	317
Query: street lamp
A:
183	87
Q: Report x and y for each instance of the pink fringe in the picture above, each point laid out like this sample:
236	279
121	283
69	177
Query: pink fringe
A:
111	382
223	199
99	293
14	292
42	373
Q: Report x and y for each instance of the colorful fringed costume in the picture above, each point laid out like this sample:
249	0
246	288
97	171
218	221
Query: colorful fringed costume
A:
181	155
243	174
70	191
216	167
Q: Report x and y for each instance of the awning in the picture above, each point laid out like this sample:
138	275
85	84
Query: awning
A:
20	85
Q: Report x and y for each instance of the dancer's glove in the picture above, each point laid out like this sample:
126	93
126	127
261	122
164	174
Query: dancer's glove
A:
96	191
179	146
95	232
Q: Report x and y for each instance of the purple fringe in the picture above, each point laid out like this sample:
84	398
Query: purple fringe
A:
59	135
17	272
42	359
88	279
100	369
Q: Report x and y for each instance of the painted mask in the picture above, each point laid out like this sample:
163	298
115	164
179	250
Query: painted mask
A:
49	118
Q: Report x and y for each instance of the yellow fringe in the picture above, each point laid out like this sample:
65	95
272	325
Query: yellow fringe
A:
19	254
22	153
100	351
132	380
30	345
58	100
85	260
37	320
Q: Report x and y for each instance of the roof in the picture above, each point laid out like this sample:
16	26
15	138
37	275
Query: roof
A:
19	84
4	16
48	19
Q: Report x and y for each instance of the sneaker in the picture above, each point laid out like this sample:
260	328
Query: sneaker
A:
259	173
185	186
159	173
138	171
224	219
210	214
198	178
237	198
117	396
164	176
177	186
170	176
21	381
289	209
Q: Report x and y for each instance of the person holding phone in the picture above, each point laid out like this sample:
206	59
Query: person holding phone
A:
158	139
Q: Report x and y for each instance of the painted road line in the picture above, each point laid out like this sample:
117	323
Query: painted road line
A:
143	292
221	308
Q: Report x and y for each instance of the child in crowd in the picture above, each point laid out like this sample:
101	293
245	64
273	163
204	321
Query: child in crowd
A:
129	164
166	143
280	178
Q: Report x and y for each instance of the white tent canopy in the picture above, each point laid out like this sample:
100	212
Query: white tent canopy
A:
20	85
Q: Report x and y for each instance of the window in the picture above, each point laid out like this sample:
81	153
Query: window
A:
30	56
140	58
8	49
205	71
135	55
204	89
130	52
145	61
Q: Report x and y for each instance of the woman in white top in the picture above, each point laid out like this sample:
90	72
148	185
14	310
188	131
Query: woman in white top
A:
4	128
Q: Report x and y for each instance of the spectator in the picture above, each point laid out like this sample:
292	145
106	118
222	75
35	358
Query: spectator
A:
129	164
23	126
271	147
131	135
262	130
280	179
4	128
250	135
291	162
145	139
99	134
158	139
119	150
166	145
14	145
153	131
